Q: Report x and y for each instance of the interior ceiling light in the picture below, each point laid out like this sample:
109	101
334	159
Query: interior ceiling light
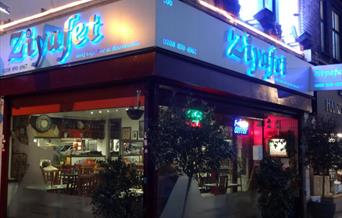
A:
43	14
240	23
4	8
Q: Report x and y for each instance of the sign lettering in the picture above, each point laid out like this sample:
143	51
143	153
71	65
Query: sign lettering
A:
240	48
27	44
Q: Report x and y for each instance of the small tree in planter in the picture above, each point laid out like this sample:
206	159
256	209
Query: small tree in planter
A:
276	189
189	139
113	196
324	152
277	185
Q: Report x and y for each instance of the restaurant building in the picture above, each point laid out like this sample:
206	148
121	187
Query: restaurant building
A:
70	79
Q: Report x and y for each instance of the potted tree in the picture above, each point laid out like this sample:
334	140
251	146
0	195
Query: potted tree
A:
323	153
114	196
277	184
276	189
188	139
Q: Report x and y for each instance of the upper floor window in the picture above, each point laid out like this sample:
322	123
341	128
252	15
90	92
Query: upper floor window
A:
285	13
321	15
335	36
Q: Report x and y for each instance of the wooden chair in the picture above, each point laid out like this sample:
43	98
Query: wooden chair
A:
234	186
87	170
85	184
51	177
70	180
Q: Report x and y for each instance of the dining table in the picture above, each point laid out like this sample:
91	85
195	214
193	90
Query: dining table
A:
47	187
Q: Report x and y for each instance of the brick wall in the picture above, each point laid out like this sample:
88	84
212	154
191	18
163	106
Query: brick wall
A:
310	22
309	18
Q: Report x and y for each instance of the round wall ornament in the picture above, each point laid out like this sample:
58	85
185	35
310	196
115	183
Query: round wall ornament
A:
43	123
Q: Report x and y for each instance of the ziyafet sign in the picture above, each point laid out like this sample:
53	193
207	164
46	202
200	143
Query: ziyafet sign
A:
327	77
173	25
198	35
105	30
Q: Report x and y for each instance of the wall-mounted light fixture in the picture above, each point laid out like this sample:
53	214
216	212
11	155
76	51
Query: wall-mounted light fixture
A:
305	40
266	19
4	8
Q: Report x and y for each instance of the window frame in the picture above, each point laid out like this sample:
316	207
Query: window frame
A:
335	36
322	26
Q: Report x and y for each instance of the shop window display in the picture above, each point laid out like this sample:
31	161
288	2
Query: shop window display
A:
55	158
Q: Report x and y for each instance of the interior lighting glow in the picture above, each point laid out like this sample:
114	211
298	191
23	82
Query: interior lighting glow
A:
195	117
123	29
43	14
278	147
241	126
4	11
238	22
339	135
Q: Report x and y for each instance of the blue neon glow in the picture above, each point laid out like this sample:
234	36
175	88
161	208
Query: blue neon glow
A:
327	77
168	2
19	50
241	126
232	49
94	29
54	41
32	43
68	28
328	73
80	37
183	48
286	83
76	34
240	49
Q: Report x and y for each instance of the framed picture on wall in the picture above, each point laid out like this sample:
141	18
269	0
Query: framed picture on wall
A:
134	135
141	129
126	133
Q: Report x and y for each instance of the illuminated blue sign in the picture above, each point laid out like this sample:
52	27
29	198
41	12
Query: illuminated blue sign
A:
327	77
180	46
28	44
240	48
241	126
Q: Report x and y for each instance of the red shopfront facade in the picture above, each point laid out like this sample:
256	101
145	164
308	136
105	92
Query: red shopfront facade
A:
80	105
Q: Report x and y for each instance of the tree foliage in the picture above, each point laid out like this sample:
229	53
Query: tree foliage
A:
276	188
192	150
114	197
324	150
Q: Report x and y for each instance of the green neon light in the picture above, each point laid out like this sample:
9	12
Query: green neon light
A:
194	115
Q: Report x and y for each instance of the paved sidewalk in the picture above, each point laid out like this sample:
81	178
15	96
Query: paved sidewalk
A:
339	215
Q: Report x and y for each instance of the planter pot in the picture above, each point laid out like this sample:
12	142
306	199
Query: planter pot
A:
321	209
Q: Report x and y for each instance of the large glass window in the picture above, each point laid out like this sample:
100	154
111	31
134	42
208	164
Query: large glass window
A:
55	159
335	36
251	138
285	13
288	18
249	9
252	135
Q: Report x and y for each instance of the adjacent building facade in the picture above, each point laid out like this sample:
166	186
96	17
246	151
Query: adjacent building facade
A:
322	21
